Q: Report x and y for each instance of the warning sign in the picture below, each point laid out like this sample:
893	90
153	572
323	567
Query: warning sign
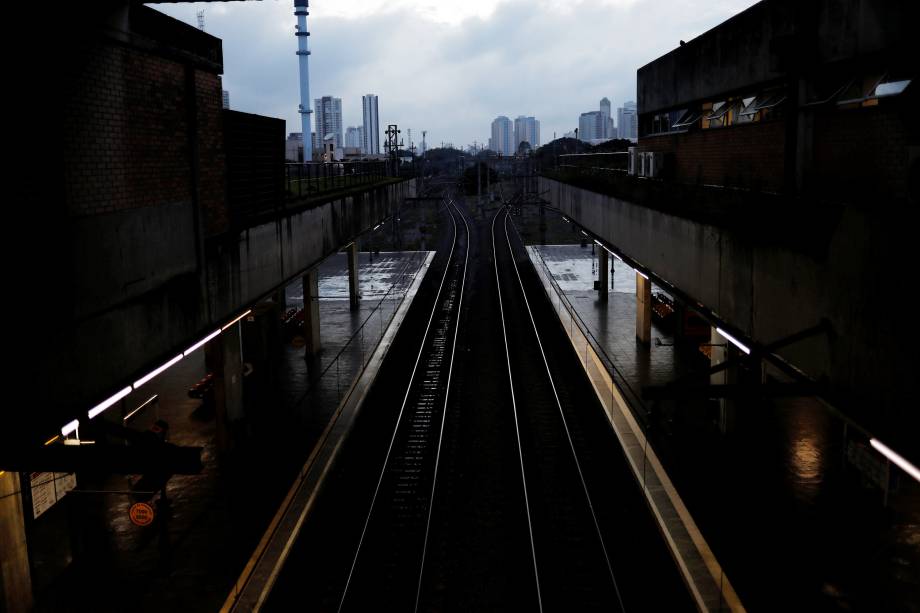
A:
141	514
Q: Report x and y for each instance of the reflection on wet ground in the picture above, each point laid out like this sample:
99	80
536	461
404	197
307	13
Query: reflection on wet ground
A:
215	518
796	525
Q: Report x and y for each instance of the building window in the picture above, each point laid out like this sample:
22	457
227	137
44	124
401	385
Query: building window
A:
687	119
716	115
761	107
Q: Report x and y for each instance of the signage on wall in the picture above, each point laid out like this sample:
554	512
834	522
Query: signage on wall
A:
48	488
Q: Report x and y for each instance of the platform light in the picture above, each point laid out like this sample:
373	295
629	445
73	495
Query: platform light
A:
200	343
585	233
52	439
641	274
734	341
234	321
377	226
889	453
70	427
156	371
564	219
144	405
102	406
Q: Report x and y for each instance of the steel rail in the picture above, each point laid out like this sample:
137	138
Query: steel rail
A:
517	429
436	305
450	370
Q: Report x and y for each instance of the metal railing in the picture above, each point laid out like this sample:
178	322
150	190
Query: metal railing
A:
709	586
315	178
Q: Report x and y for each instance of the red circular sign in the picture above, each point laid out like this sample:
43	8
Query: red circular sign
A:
141	514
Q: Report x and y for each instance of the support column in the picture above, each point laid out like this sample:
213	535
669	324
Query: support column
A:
311	314
720	351
15	577
603	266
223	357
643	309
353	294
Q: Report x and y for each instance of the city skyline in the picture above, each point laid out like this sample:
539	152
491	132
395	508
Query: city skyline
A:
593	47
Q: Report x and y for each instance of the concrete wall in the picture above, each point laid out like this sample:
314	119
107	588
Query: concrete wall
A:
767	42
770	291
143	288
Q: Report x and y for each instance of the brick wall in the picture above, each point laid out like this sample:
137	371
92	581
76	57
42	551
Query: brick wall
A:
748	155
255	164
135	128
861	155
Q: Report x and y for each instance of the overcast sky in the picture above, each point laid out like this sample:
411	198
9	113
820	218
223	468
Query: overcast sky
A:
450	66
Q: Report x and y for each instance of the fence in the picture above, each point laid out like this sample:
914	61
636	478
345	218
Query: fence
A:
703	574
315	178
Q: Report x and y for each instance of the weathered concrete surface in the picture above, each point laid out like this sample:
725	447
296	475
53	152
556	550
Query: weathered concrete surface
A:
769	291
768	41
145	285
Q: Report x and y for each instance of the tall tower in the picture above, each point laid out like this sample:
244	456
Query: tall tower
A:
371	124
303	54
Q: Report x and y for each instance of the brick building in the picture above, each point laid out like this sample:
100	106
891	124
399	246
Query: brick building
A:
800	98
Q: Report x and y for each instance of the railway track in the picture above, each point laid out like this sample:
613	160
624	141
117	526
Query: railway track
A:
489	479
570	556
394	537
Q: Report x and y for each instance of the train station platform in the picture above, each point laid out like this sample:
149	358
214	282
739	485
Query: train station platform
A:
87	553
778	503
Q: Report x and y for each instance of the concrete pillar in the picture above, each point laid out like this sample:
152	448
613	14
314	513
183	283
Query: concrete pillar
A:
720	351
603	266
15	576
224	358
354	294
311	313
643	309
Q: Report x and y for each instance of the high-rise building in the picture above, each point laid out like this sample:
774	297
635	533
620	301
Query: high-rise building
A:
526	129
293	147
608	129
502	140
353	138
225	98
371	124
329	120
591	126
628	121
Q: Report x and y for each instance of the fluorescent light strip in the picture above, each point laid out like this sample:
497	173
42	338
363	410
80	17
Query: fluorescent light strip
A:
889	453
734	341
585	233
155	372
236	320
641	274
128	417
377	226
102	406
70	427
200	343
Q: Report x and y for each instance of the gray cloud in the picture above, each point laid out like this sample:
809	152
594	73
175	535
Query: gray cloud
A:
452	79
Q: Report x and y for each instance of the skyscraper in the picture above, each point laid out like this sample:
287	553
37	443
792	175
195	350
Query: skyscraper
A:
526	129
628	121
329	120
607	123
371	124
591	126
502	140
352	138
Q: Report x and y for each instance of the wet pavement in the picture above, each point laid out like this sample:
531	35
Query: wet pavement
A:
795	524
88	556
